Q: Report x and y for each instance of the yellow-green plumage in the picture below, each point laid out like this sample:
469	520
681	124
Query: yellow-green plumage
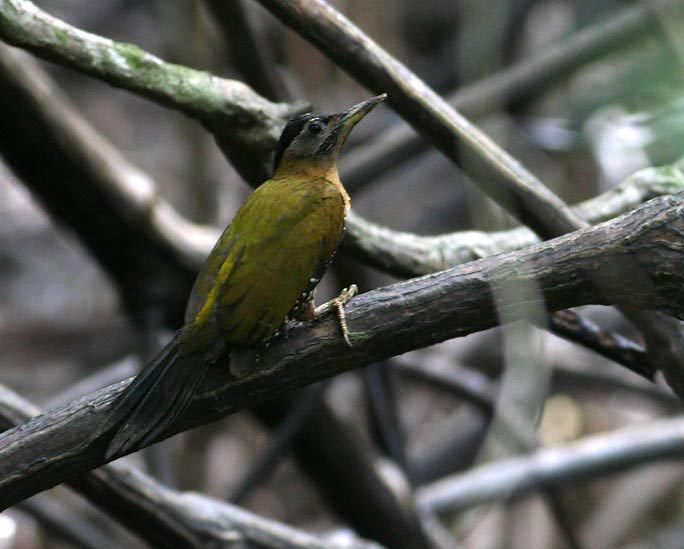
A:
262	270
281	238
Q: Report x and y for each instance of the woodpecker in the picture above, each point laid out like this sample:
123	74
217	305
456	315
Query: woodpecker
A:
262	271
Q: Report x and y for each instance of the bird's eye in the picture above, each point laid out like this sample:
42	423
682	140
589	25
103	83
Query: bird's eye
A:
315	126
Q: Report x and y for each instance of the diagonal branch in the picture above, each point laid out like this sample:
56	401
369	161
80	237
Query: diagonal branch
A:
87	184
496	172
79	168
250	50
163	517
523	81
245	125
409	254
640	253
125	215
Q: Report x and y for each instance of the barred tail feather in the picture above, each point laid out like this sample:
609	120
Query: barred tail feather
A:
154	399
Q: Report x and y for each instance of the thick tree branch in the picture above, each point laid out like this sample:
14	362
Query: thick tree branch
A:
245	125
498	174
639	253
164	517
81	176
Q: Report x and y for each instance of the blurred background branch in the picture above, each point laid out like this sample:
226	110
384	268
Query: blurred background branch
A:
596	455
497	173
157	514
245	125
520	82
584	94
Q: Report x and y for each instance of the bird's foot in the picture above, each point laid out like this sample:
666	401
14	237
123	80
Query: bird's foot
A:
337	305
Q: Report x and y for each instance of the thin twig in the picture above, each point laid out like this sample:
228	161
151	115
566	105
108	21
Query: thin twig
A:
383	412
480	392
336	458
467	384
600	382
279	442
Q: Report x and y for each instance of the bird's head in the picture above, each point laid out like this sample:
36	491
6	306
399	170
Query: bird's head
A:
312	141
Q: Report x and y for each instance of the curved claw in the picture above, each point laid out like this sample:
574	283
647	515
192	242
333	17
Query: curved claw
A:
338	305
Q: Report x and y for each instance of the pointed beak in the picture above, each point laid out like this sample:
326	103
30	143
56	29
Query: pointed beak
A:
349	118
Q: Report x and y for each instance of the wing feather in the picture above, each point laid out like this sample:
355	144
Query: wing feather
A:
266	258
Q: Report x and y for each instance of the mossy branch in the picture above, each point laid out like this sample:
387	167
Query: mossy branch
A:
245	125
409	254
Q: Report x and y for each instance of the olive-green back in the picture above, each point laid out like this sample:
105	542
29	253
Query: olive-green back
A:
282	236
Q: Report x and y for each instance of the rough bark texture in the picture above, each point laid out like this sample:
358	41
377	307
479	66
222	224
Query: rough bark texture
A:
637	255
245	125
